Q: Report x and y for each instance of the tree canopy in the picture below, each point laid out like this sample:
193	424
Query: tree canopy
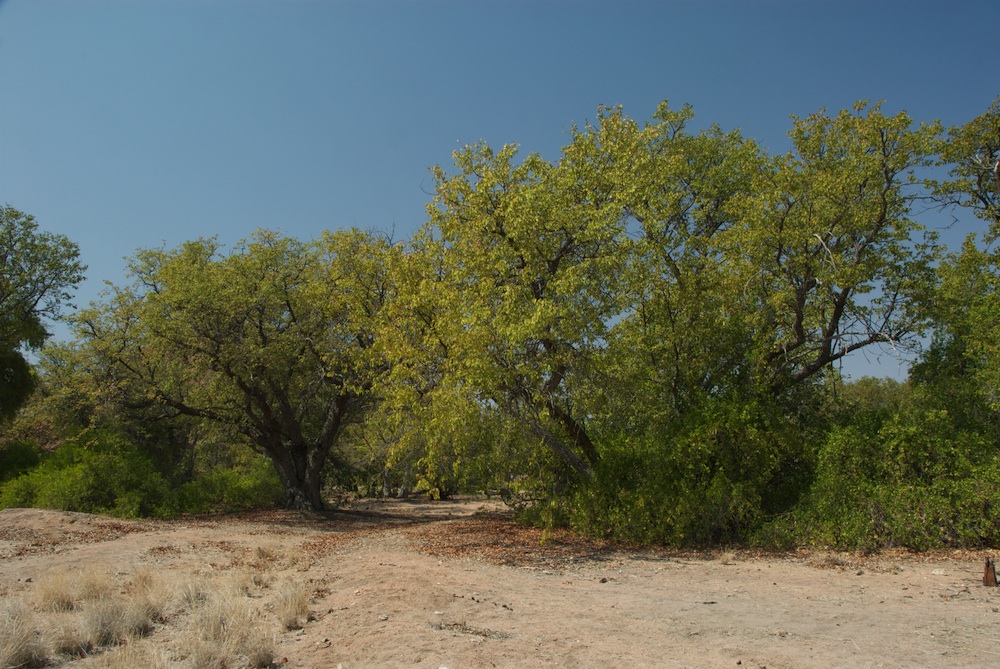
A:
38	271
651	267
273	340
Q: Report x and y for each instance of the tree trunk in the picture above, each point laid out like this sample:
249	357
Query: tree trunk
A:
300	470
577	433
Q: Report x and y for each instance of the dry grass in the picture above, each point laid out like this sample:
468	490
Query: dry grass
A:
266	555
86	617
227	628
66	634
66	591
192	592
92	584
271	556
55	592
20	643
113	621
292	606
828	559
245	582
260	579
155	596
131	655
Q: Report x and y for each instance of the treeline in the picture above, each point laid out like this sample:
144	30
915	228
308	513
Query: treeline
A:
639	340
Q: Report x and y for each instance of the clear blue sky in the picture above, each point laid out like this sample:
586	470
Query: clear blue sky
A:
127	123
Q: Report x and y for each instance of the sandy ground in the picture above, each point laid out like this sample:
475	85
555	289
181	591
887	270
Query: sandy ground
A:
419	584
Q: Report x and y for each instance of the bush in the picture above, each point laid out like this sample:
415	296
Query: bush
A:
916	482
101	472
252	485
18	457
715	481
96	472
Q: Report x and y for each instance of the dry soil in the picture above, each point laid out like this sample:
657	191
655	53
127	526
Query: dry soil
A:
458	584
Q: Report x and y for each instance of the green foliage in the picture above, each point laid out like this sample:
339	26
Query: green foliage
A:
964	358
16	382
101	472
17	457
37	272
96	472
915	480
971	151
636	339
254	485
713	482
273	341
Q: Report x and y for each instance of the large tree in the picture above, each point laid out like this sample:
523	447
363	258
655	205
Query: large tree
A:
651	268
38	271
273	340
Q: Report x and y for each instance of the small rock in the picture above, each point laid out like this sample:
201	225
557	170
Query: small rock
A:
604	580
383	617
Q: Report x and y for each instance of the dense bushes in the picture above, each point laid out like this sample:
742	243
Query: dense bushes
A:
916	481
16	458
251	485
713	481
101	472
880	464
95	472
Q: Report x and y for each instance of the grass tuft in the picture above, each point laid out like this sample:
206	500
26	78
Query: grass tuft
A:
66	634
292	606
55	592
20	643
132	655
110	622
228	627
93	584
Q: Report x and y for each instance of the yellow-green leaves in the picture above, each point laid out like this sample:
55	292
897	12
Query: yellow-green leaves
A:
38	271
274	340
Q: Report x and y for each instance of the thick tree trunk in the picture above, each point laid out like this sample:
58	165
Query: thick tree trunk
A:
300	470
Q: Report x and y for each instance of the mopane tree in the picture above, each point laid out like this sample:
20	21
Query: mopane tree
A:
652	268
827	249
38	271
274	340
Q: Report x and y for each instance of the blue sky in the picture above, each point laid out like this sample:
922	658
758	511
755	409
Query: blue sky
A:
128	124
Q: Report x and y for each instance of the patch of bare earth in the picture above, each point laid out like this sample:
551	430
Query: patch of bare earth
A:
418	584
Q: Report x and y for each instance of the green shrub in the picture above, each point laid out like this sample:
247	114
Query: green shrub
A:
254	484
16	458
916	481
96	472
714	481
